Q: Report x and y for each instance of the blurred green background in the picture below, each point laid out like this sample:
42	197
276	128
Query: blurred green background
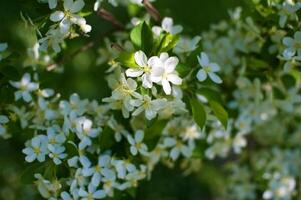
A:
83	76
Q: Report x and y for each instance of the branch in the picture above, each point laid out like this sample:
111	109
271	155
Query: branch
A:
110	18
152	10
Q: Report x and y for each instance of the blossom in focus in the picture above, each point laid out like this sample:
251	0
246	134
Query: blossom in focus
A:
165	70
69	16
167	26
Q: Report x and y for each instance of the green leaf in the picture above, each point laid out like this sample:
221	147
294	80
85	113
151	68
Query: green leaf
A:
168	42
106	138
183	69
288	81
257	63
10	72
198	112
127	59
219	112
211	94
27	176
142	37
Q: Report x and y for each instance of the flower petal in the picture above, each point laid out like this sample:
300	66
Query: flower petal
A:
57	16
140	58
133	72
201	75
215	78
166	87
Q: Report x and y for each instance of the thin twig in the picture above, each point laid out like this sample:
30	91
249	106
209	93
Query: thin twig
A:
111	18
152	10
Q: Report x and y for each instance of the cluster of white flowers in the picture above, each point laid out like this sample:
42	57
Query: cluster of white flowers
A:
105	152
64	23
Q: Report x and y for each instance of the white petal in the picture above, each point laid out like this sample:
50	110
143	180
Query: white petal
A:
65	26
167	24
146	81
157	30
99	194
139	136
52	3
166	87
68	4
201	75
77	6
140	58
133	72
215	78
176	29
214	67
164	56
203	59
133	150
175	79
86	28
170	64
57	16
96	179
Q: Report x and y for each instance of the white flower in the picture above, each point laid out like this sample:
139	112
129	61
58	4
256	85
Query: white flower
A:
3	120
68	17
136	143
288	11
123	94
75	106
164	70
92	193
239	142
293	45
151	107
167	26
57	153
101	169
186	44
3	47
54	37
85	132
122	167
26	87
37	149
144	69
55	138
192	133
177	148
208	69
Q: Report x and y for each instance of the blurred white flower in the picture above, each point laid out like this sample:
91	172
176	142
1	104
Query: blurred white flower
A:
25	87
137	144
208	69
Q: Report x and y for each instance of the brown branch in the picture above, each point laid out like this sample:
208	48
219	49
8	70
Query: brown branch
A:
152	10
111	18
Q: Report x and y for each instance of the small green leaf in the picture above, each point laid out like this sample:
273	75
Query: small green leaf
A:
142	37
168	42
127	59
198	112
219	112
